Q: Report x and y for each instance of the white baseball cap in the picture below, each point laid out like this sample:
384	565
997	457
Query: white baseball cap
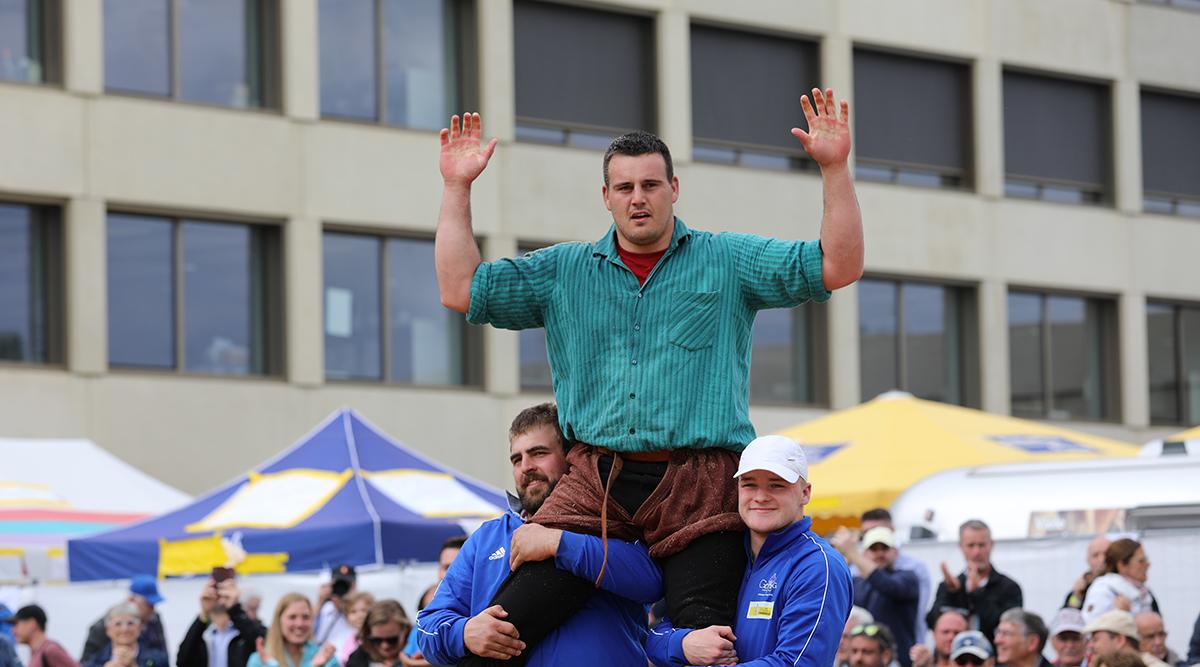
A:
775	453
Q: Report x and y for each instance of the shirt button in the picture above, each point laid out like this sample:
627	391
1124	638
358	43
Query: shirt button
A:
637	327
635	362
639	295
632	430
632	395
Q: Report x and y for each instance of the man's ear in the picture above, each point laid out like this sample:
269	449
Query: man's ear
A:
604	195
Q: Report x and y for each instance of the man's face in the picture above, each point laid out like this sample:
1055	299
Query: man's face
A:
1154	636
866	652
538	462
948	625
1103	640
445	559
1011	643
24	629
881	554
1095	555
641	199
1070	648
976	546
768	503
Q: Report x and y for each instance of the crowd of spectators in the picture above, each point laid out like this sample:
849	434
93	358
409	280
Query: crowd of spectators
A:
976	618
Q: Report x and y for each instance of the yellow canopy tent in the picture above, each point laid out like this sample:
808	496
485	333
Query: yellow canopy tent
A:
865	456
1183	436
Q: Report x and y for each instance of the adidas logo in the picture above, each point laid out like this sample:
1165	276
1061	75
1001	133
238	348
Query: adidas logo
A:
497	554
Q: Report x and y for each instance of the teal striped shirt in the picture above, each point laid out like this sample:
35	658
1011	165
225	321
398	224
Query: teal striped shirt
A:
658	366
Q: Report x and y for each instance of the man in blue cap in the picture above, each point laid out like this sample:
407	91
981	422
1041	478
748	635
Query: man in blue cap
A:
143	592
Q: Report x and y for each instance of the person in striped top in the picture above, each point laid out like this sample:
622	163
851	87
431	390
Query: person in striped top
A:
648	333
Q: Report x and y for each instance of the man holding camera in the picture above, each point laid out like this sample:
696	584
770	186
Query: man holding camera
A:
222	635
331	620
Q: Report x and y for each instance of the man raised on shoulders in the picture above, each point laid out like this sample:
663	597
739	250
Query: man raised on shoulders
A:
649	308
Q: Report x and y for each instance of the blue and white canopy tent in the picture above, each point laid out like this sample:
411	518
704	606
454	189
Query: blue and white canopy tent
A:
345	493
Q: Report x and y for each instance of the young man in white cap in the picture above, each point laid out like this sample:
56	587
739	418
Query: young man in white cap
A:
889	593
796	592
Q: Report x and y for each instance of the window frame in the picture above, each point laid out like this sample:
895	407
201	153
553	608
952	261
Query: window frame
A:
969	354
269	63
1177	307
742	154
464	80
1111	380
581	134
50	47
816	321
523	247
471	351
1041	188
1162	202
50	215
274	328
899	172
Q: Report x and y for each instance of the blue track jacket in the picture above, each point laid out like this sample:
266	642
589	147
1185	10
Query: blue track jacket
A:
792	608
609	630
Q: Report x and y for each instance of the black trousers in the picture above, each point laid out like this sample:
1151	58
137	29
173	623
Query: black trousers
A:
701	582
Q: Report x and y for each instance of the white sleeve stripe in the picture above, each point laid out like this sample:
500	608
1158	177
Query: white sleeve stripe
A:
823	595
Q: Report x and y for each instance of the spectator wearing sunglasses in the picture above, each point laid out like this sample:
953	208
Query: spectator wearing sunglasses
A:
382	636
871	645
972	649
1020	638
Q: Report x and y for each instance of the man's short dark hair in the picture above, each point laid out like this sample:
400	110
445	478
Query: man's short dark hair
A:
638	142
542	414
877	514
455	542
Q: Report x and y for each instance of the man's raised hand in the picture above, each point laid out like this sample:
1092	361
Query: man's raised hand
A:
828	137
462	158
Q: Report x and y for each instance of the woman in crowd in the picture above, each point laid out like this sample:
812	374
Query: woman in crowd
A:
1123	586
289	640
357	605
382	636
123	624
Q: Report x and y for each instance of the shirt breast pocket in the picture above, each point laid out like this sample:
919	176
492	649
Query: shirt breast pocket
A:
694	319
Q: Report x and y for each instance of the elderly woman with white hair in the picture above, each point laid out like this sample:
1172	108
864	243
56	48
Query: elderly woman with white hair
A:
123	624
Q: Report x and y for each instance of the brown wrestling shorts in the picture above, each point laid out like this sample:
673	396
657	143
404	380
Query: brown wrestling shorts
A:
697	496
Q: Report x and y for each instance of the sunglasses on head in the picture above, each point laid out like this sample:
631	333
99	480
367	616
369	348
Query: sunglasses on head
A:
969	660
379	641
869	630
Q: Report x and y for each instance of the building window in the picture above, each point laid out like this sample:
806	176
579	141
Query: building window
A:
583	76
1173	345
788	361
194	295
1171	153
29	41
221	52
918	337
533	359
399	62
31	312
1057	139
1062	356
927	144
383	319
746	90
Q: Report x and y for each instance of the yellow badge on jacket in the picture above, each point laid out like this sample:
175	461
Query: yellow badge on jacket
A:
760	609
